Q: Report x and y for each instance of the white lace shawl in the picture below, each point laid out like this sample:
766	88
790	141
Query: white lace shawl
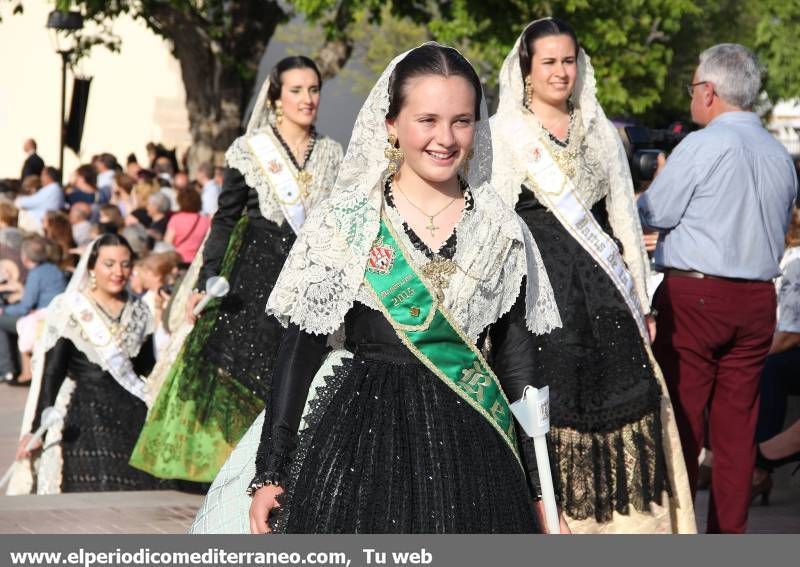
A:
323	165
324	272
515	129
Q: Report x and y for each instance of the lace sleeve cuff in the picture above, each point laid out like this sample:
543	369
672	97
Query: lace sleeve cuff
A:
271	470
264	479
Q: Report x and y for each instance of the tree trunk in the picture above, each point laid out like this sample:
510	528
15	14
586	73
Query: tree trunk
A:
218	74
332	57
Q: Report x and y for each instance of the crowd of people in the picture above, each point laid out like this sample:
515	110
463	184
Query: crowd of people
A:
162	214
385	307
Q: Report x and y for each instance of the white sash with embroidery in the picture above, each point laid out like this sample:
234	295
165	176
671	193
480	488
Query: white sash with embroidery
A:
558	192
108	349
279	172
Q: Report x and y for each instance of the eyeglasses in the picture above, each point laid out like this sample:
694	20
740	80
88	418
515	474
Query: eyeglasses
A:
690	87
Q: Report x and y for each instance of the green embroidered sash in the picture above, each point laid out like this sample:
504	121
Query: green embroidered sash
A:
428	331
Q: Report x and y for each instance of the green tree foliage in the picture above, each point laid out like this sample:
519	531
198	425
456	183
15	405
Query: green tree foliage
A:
776	36
644	51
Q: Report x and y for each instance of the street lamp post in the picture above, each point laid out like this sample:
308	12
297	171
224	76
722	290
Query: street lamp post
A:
61	24
64	60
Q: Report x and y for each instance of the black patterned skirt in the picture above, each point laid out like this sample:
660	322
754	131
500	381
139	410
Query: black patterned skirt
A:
392	449
244	340
605	398
101	426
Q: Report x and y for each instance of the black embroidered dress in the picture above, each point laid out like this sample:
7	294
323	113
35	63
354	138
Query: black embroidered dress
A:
221	379
388	447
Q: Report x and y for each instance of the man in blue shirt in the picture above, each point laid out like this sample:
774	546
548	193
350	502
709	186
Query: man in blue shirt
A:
43	283
49	198
721	205
211	191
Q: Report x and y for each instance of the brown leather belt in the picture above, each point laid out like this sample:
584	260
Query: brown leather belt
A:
674	272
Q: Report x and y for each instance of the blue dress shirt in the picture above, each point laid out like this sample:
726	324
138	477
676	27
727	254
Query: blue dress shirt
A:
722	202
48	198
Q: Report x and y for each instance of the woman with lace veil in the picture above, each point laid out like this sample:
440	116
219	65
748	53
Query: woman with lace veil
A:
561	164
96	346
278	171
407	430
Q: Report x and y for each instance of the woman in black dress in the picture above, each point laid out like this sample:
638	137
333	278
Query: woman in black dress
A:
276	173
560	163
97	344
408	430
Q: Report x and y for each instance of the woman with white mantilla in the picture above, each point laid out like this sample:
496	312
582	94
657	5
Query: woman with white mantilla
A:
277	172
561	164
409	429
97	343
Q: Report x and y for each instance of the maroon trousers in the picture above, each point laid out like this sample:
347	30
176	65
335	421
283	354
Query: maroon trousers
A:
712	340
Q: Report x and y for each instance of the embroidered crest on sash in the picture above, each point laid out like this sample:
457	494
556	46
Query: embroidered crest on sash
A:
381	257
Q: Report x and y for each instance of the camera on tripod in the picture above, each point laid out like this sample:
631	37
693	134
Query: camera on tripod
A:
643	146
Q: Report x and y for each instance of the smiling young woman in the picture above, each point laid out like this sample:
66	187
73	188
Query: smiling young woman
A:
408	430
89	363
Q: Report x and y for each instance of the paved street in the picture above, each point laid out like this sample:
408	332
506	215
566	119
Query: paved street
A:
172	512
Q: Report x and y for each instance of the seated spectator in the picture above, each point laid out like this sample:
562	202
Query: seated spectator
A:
10	240
779	379
9	189
157	275
187	228
132	166
79	215
83	188
106	166
27	222
43	283
122	193
141	193
110	220
180	181
49	198
30	185
57	228
158	209
137	237
165	170
29	329
210	190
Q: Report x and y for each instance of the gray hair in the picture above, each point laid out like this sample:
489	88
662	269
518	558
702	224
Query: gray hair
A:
160	202
734	71
137	237
207	169
35	249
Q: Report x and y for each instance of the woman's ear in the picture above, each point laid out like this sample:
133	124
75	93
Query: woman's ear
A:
391	130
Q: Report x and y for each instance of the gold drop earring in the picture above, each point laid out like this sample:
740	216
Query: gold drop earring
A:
278	111
528	92
92	281
394	154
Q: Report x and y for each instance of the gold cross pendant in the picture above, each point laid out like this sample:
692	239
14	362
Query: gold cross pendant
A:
432	227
